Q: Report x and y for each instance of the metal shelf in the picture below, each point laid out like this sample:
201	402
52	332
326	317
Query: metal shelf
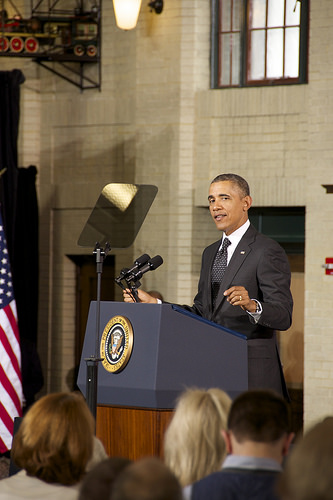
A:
64	41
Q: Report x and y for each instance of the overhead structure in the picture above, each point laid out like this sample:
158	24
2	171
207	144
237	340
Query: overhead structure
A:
64	37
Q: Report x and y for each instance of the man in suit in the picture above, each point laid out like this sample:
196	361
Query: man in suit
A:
251	294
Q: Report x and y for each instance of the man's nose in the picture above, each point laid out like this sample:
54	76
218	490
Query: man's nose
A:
217	205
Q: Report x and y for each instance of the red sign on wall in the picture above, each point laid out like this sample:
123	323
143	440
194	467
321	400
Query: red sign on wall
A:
329	265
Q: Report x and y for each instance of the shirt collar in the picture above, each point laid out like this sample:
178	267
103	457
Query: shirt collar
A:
244	462
237	235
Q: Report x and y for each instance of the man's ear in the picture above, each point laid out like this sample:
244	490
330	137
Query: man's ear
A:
287	443
227	440
247	202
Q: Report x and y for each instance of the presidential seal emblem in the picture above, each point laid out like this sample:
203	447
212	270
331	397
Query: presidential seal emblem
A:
116	344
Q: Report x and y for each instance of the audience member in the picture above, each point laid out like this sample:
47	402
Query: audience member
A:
53	447
308	471
193	443
146	479
257	440
98	483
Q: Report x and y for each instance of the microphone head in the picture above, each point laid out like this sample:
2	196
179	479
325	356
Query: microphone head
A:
142	260
156	262
122	274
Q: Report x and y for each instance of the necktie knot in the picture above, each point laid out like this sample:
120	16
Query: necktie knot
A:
225	244
218	269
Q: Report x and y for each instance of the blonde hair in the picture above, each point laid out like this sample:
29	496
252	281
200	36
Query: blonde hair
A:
193	443
55	439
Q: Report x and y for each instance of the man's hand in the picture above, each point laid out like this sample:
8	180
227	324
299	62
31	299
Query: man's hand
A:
239	296
143	297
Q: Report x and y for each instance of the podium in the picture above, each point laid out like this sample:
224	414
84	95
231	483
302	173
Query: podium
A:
172	349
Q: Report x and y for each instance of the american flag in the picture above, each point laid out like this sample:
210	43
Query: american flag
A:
11	395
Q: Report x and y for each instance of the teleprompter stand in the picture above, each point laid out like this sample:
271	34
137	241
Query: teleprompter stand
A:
113	223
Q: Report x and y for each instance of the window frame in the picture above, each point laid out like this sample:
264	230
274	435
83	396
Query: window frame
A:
245	50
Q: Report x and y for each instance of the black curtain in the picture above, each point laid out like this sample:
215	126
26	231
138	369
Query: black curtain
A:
9	121
20	215
25	253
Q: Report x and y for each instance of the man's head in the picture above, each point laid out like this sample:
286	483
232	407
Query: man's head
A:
229	201
98	482
147	479
259	424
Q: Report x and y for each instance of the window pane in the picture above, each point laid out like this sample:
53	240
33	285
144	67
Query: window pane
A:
237	15
257	56
293	18
257	13
225	59
275	13
275	53
292	53
236	47
226	15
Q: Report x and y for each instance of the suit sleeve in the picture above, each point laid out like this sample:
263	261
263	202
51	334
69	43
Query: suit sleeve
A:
273	278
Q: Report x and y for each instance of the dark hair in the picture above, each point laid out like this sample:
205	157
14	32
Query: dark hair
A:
235	179
147	479
259	415
99	481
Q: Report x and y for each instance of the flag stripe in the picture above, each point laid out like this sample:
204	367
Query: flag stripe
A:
10	390
12	318
7	426
6	418
3	446
9	342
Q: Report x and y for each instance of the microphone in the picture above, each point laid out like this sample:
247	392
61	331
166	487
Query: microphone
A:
140	261
152	264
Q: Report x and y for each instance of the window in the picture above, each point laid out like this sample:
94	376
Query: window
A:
259	42
286	225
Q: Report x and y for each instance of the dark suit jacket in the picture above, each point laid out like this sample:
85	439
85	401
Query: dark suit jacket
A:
261	266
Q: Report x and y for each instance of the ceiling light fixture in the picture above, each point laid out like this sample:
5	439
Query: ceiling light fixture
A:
127	11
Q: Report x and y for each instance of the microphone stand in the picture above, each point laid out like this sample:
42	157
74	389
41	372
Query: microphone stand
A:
93	360
130	284
132	277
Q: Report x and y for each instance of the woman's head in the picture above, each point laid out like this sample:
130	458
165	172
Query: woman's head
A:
193	444
55	439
